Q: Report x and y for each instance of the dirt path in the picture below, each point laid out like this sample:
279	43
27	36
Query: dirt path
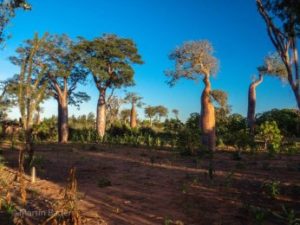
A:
134	186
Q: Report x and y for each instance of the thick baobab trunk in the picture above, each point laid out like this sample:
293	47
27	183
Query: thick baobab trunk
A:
133	117
208	117
101	114
63	127
252	103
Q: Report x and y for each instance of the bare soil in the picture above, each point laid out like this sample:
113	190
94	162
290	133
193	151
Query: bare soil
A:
126	185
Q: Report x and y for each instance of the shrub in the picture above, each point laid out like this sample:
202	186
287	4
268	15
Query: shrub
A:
189	141
272	188
270	134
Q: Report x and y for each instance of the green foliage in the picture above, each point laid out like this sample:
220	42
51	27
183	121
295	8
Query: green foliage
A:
189	141
7	11
272	188
66	73
30	83
288	120
270	134
109	58
84	135
46	130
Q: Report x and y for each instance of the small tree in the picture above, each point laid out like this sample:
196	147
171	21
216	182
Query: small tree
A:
109	59
271	135
161	111
31	86
125	115
150	112
176	113
191	60
273	66
135	101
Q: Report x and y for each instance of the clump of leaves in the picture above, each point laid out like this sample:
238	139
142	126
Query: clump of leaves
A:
103	182
272	188
270	134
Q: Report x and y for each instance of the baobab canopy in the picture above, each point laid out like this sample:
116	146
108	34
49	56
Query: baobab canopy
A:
192	59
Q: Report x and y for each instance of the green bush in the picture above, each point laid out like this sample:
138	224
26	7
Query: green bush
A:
189	141
270	134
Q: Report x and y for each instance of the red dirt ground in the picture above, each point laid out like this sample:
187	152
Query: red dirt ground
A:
157	187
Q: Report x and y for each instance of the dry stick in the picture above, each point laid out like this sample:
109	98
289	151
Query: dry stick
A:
70	195
21	177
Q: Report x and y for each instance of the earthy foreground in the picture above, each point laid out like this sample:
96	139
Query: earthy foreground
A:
124	185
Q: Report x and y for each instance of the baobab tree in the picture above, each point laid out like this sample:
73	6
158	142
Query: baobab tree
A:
135	101
64	75
273	66
282	18
109	59
193	59
30	85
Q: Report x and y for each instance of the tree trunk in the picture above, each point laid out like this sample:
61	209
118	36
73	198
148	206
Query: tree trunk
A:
133	117
29	146
208	117
252	103
101	113
63	126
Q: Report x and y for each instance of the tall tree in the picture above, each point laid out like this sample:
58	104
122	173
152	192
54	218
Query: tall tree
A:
273	66
282	18
191	60
7	11
65	74
109	59
135	101
31	85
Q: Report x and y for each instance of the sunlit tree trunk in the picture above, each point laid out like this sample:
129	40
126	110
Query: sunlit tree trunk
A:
101	113
133	117
252	103
63	127
208	117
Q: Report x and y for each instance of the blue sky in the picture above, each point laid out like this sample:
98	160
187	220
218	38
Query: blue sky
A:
234	27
